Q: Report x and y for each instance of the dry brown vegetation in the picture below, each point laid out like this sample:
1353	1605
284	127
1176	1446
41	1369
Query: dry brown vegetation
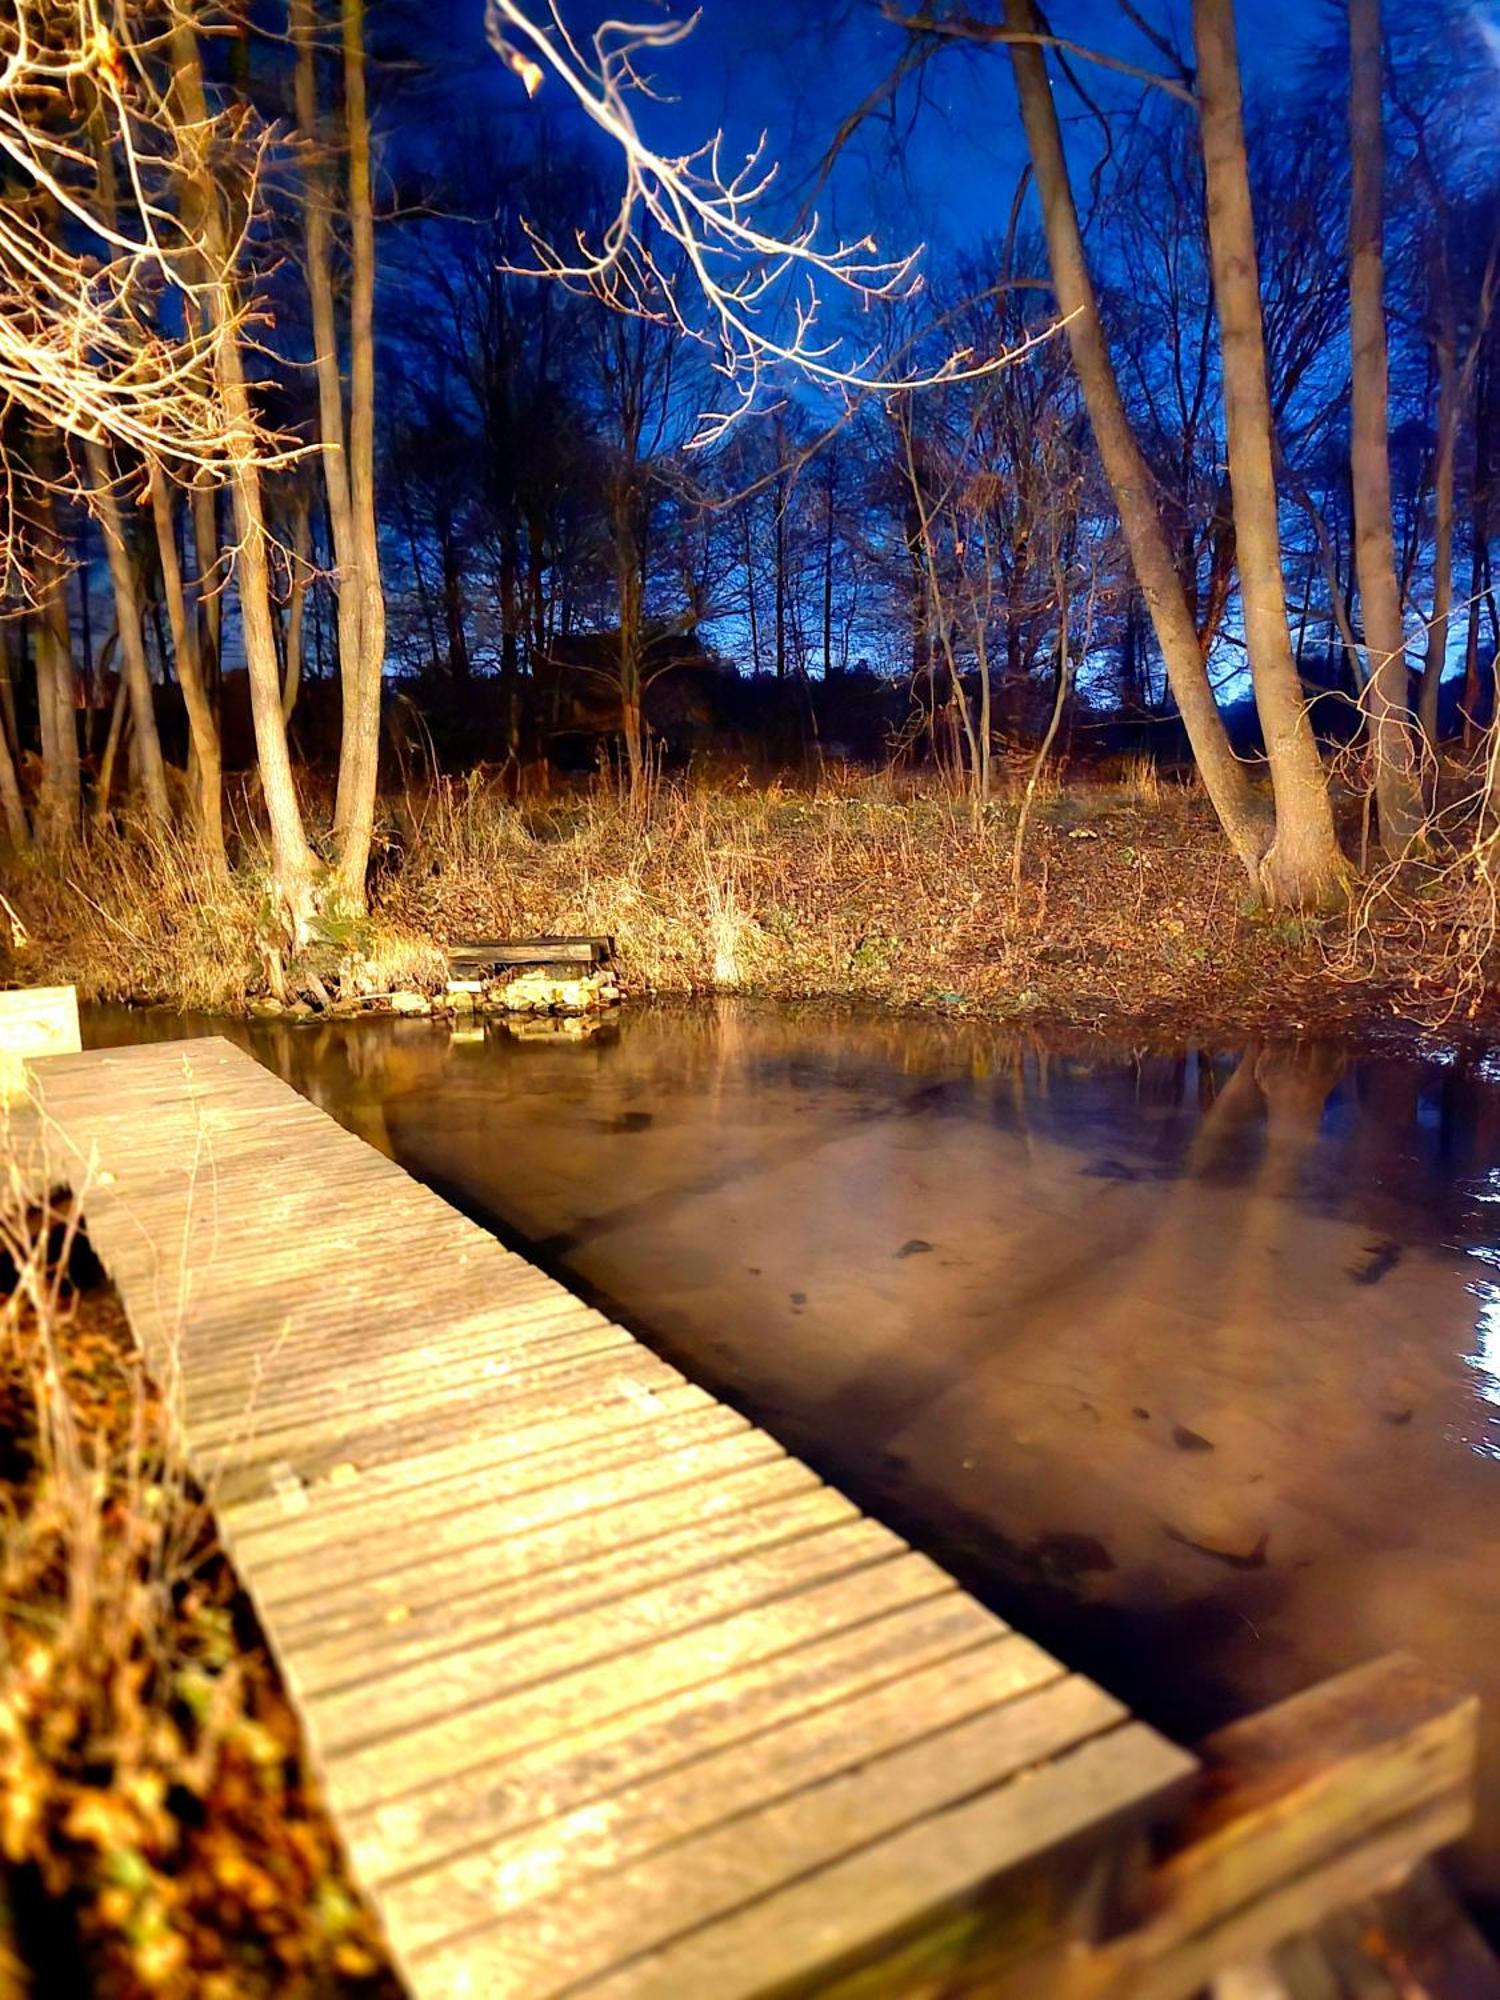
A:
159	1833
1129	910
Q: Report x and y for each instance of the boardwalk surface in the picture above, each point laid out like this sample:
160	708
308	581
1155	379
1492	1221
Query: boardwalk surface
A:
610	1695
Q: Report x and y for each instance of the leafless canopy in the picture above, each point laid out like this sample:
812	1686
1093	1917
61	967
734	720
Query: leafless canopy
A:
754	296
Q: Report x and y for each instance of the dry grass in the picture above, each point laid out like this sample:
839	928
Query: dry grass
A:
1127	909
866	888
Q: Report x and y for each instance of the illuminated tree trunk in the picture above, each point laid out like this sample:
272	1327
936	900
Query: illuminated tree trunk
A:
208	602
17	826
1302	868
630	584
1242	815
1443	467
60	797
296	867
1397	791
332	430
136	672
208	813
296	615
359	762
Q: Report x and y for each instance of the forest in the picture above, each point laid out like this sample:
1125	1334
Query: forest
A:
422	481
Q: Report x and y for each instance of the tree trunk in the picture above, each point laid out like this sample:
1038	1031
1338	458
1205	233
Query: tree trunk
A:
59	803
1241	813
296	615
828	569
780	547
295	865
17	826
1397	790
137	674
208	810
207	598
1303	868
1442	535
359	766
105	783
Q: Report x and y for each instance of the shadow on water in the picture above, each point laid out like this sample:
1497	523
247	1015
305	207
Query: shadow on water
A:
1190	1362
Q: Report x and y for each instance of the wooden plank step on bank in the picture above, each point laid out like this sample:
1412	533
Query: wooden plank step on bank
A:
610	1695
479	955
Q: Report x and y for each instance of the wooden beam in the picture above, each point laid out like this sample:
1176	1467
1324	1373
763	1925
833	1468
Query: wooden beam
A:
1305	1808
497	952
1300	1812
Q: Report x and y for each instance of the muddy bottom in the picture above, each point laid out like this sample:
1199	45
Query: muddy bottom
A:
1189	1362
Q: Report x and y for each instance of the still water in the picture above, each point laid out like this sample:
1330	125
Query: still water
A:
1190	1362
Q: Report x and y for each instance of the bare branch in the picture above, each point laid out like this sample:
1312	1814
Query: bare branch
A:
732	282
968	28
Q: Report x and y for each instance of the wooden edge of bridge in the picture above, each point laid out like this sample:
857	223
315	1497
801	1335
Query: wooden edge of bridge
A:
1302	1811
1156	1877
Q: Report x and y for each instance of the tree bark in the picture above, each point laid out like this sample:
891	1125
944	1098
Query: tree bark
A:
1242	814
1302	868
17	826
1397	789
296	615
1442	535
137	674
208	810
317	232
295	865
359	763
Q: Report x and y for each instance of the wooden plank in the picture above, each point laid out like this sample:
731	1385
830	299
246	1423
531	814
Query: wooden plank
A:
39	1021
790	1891
1304	1809
592	1756
573	1547
565	1855
479	1667
1309	1805
392	1831
547	1673
483	952
716	1440
497	1611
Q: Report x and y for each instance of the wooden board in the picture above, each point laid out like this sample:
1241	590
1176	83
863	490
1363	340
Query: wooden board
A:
609	1694
39	1021
482	953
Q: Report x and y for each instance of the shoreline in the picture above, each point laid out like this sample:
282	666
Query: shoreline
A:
1129	921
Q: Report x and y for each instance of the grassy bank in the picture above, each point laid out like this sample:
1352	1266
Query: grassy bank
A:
159	1830
1126	910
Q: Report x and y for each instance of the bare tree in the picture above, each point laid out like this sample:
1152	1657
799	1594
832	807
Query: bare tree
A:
1398	793
1302	868
1240	812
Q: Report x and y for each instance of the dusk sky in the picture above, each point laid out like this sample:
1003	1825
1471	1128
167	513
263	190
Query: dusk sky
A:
943	169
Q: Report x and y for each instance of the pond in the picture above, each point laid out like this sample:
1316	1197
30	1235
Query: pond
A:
1188	1361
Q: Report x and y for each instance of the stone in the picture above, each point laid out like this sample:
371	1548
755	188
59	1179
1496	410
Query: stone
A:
266	1009
409	1003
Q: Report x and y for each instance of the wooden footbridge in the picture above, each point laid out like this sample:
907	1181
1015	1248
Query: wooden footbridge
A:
613	1698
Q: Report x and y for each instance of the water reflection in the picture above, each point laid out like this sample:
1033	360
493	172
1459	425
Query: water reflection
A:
1188	1360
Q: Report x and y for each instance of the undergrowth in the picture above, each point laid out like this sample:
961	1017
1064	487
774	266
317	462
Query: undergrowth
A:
159	1833
1126	905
